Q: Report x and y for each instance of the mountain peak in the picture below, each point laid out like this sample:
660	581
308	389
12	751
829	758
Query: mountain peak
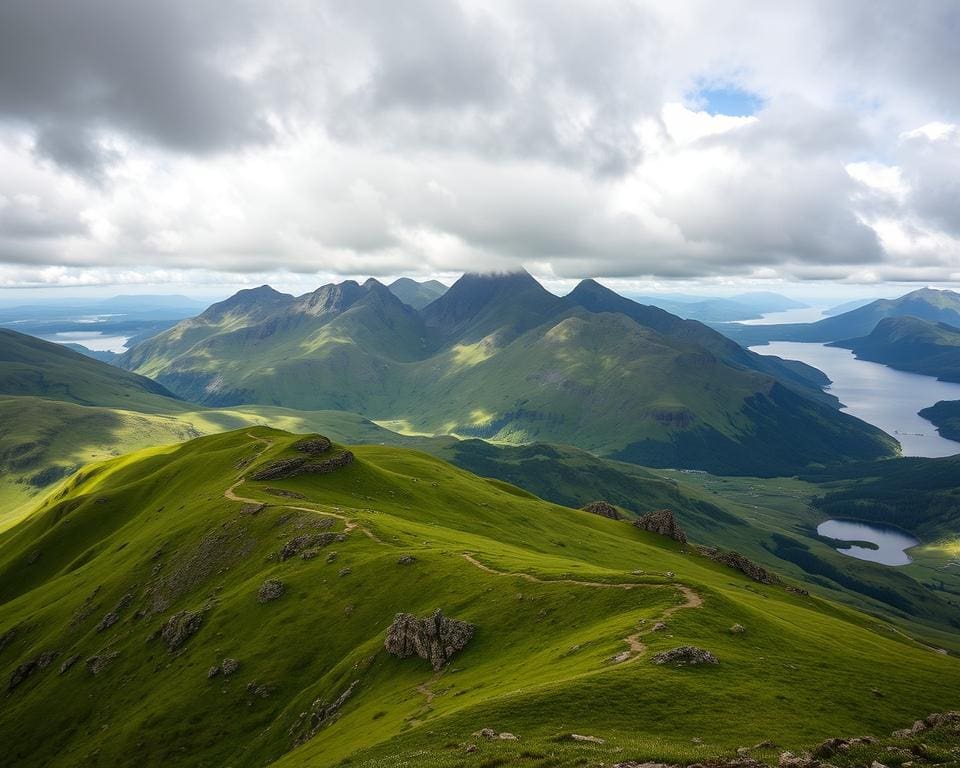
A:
247	298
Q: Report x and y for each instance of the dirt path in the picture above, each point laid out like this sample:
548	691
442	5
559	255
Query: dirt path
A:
636	647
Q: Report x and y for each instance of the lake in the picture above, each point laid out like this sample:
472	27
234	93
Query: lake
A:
797	315
879	395
94	340
891	542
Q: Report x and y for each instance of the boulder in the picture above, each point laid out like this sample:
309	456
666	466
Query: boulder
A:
229	666
21	673
685	654
96	664
737	629
588	739
406	560
270	590
661	522
434	638
179	628
602	508
68	662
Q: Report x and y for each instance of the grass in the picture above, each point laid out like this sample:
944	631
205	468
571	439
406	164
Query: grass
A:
157	525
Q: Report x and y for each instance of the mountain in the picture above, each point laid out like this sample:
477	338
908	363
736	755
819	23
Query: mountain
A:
847	306
768	301
31	366
168	608
417	294
926	304
499	357
911	344
945	416
711	309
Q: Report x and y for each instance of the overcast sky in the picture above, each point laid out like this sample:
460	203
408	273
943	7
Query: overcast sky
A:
189	145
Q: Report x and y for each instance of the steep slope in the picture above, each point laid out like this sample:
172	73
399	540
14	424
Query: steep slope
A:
945	415
498	356
33	367
911	344
166	608
926	303
417	294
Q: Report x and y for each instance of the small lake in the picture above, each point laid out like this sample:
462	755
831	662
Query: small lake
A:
796	315
94	340
879	395
891	542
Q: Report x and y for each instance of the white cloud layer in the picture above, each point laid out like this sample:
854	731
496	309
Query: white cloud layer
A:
177	142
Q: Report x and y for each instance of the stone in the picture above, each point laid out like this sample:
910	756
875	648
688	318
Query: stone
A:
306	542
320	715
21	673
737	629
407	560
739	562
507	737
96	664
344	572
300	465
229	666
213	671
659	627
314	445
620	657
663	523
602	508
686	654
434	638
470	748
589	739
69	662
270	590
179	628
485	733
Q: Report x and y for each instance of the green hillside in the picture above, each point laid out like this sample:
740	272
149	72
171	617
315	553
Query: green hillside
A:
911	344
37	368
945	415
499	357
142	623
928	304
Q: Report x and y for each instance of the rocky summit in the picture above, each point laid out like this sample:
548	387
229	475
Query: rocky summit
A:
661	522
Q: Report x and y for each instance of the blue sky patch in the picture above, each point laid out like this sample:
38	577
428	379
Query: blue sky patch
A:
732	101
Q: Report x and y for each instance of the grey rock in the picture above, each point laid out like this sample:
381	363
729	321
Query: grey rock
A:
602	508
180	627
321	714
661	522
685	654
96	664
270	590
69	662
434	638
407	560
229	666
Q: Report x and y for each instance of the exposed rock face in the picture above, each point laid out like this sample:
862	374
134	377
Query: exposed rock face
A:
739	562
662	522
602	508
313	446
69	662
113	616
179	628
306	541
271	589
685	654
320	715
23	671
96	664
301	465
434	638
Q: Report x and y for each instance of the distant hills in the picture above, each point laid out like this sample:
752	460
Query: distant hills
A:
940	306
744	306
911	344
417	294
499	357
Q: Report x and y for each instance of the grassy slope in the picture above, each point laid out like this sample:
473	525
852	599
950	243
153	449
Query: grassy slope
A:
157	525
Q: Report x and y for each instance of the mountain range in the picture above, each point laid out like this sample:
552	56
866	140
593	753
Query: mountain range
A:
931	304
499	357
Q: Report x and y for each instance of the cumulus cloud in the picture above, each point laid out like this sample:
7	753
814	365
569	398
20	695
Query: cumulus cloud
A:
371	137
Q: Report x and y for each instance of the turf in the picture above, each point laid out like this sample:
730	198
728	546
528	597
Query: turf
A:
553	592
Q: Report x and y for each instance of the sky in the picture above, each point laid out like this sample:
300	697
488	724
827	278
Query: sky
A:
192	146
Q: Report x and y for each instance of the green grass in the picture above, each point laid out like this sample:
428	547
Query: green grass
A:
157	525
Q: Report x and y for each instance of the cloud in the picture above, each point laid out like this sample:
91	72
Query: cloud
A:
371	137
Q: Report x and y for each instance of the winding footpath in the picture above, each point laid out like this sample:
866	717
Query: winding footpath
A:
636	647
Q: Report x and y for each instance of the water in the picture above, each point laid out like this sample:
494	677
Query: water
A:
892	543
879	395
799	315
95	340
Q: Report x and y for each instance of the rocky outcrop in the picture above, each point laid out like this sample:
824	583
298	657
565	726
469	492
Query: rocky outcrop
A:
68	662
662	522
435	638
406	560
302	465
685	654
111	618
602	508
320	715
179	628
270	590
314	445
739	562
306	541
96	664
936	720
23	671
225	668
